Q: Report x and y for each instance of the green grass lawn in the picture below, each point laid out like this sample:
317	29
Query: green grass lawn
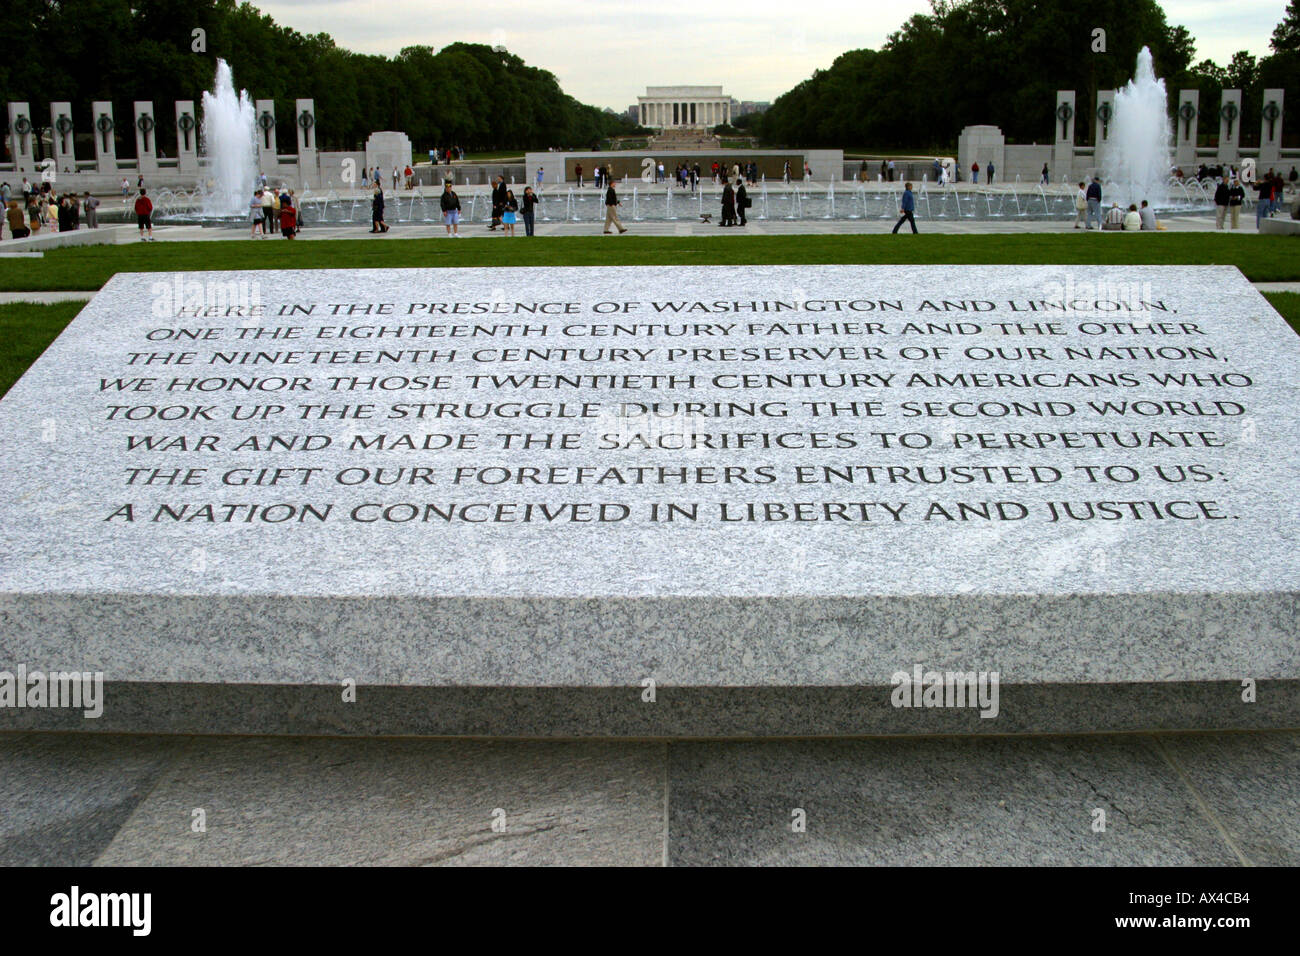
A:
1261	258
27	330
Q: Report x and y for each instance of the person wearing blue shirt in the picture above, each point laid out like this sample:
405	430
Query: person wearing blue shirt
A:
908	208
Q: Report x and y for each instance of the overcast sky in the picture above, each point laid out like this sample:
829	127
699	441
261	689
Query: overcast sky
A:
606	52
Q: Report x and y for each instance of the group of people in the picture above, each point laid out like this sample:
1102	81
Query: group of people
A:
273	211
734	203
1087	210
1270	188
506	208
31	208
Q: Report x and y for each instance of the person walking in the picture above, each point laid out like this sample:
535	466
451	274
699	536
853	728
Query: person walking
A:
1093	196
1220	203
498	201
1045	175
527	209
91	205
1236	196
728	205
449	203
377	223
742	200
906	213
509	212
1080	206
144	215
611	210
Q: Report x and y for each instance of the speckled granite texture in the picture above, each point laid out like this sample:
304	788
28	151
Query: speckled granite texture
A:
546	628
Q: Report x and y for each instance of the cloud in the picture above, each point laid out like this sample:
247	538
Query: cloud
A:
606	52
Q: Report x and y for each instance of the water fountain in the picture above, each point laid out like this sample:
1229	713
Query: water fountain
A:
229	139
1140	156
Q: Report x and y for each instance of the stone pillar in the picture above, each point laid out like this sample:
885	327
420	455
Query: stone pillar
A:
304	112
1230	119
267	156
146	138
187	138
1063	148
1104	122
65	150
1270	129
1185	121
101	112
22	145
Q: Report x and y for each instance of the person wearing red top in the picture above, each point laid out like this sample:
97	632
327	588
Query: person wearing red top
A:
144	215
288	217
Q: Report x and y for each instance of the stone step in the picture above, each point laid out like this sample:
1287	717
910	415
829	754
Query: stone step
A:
1172	800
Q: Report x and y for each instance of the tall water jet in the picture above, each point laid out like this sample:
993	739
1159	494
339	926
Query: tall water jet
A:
1141	138
229	139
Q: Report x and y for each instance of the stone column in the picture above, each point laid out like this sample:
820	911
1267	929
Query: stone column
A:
267	155
1270	130
1104	124
101	112
304	112
1063	148
65	150
1185	121
146	139
187	138
22	145
1230	120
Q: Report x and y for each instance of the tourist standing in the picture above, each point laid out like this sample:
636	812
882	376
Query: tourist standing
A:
1045	175
1236	196
1081	206
906	214
144	215
611	210
1220	203
509	210
728	205
990	173
530	200
126	186
377	223
449	203
268	210
577	171
256	214
498	201
975	173
288	217
539	177
1094	201
742	200
91	205
17	221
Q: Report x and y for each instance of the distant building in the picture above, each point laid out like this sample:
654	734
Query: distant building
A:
677	107
745	107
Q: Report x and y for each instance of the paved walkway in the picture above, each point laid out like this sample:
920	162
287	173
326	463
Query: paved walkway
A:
1222	799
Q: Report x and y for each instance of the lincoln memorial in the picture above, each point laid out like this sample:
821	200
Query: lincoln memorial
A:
667	107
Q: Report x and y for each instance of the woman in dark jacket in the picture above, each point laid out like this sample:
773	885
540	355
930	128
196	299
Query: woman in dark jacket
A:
377	223
530	200
728	205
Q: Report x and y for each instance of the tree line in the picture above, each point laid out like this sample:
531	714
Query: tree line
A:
1001	62
476	96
